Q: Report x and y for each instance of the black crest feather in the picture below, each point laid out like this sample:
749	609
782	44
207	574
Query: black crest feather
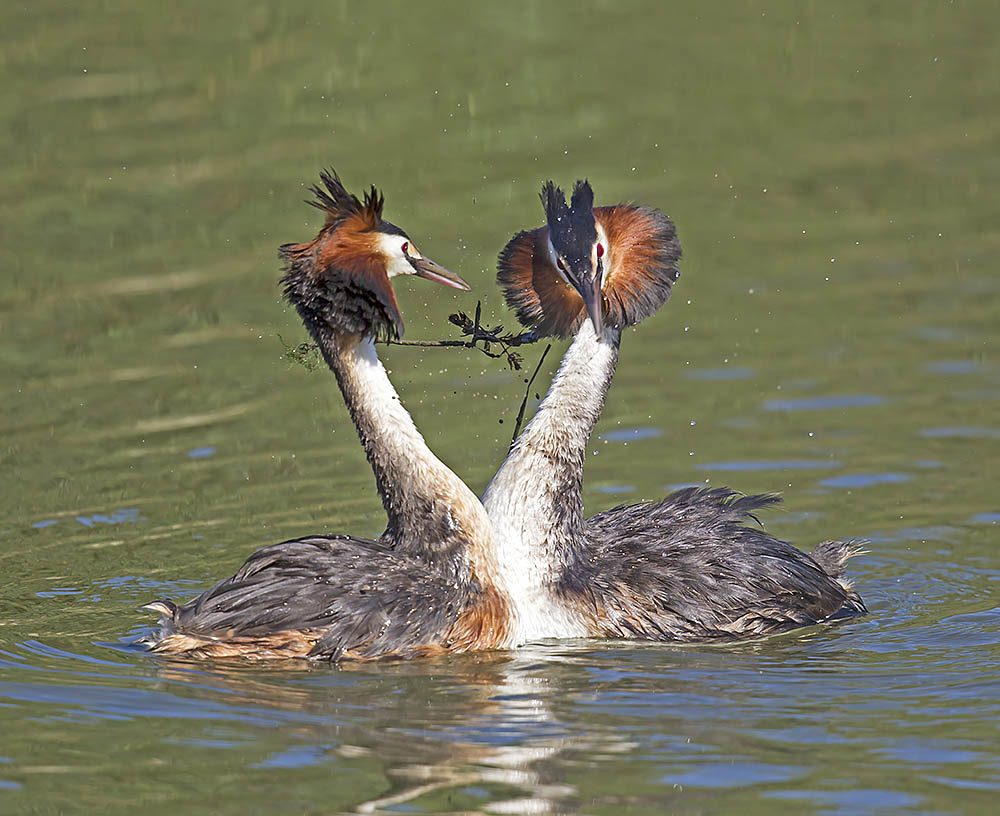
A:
554	202
571	226
337	203
583	199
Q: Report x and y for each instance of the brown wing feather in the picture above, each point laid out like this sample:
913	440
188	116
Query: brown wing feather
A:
533	288
643	252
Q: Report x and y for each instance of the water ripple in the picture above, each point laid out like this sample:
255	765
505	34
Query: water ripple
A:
955	367
781	464
824	403
961	432
734	774
631	434
201	453
865	479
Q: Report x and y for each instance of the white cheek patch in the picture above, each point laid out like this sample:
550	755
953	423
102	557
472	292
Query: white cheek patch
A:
602	239
391	247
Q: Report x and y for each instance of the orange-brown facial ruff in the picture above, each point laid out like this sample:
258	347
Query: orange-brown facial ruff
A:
339	278
640	267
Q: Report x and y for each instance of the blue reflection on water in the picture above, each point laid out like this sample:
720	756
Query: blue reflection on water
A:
954	367
852	801
961	432
124	516
58	592
615	490
865	479
299	756
631	434
118	703
201	453
824	403
788	464
204	742
940	532
929	751
734	774
939	333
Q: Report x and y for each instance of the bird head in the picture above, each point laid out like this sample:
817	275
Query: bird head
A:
574	245
341	278
612	265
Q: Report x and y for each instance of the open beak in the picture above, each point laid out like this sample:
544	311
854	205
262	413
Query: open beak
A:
592	299
426	268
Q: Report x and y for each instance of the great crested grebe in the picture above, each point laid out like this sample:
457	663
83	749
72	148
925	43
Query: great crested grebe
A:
427	585
686	568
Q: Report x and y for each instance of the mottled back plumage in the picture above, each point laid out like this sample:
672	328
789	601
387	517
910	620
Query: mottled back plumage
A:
330	597
691	567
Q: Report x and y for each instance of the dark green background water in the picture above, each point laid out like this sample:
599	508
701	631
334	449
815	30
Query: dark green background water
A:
833	171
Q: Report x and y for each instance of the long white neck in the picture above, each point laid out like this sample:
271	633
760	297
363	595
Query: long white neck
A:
430	510
535	501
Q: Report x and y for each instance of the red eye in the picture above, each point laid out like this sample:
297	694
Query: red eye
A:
600	250
405	247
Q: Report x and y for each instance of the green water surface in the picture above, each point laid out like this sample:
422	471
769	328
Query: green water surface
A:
833	171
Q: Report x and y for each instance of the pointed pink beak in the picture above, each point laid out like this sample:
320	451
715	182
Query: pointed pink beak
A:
426	268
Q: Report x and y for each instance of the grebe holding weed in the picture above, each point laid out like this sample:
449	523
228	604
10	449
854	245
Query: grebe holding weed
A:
427	585
686	568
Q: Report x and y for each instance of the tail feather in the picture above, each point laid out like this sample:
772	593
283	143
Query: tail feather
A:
167	610
832	556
